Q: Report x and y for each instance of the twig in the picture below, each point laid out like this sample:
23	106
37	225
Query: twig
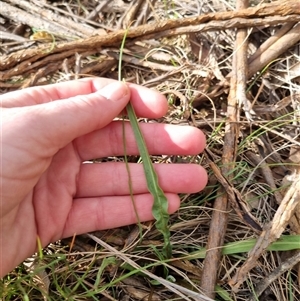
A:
215	240
268	51
271	40
34	19
98	8
129	16
164	66
142	18
242	66
283	267
235	198
32	80
12	37
226	24
279	47
219	219
271	233
94	43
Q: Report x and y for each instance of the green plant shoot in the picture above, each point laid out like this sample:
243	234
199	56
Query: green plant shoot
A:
160	203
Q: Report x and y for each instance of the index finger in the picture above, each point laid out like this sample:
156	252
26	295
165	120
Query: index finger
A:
147	103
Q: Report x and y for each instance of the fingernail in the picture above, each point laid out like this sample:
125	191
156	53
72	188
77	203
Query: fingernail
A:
116	91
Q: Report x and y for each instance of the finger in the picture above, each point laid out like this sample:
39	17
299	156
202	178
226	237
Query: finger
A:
174	178
147	103
57	123
160	139
91	214
43	94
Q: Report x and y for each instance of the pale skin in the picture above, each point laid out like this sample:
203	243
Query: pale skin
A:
46	189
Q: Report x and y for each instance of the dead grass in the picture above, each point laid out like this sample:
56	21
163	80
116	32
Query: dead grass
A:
192	70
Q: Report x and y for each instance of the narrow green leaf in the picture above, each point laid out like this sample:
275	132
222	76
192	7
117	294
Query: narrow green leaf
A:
160	205
124	144
284	243
222	293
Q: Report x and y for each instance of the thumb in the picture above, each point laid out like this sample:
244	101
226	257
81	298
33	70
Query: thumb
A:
59	122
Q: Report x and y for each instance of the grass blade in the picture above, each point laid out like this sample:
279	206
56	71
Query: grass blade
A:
284	243
124	143
160	205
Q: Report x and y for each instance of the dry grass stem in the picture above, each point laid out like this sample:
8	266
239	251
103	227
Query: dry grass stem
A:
283	267
219	220
180	291
272	231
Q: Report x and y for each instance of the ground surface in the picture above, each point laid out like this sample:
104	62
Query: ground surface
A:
241	87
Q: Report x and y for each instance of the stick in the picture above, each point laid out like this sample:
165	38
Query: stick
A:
272	232
282	8
34	19
219	219
266	281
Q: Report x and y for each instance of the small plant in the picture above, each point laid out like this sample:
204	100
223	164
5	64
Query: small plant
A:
160	204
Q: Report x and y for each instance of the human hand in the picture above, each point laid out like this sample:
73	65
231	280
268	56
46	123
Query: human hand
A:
46	190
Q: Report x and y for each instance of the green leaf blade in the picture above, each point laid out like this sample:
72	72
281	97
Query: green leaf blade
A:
160	202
